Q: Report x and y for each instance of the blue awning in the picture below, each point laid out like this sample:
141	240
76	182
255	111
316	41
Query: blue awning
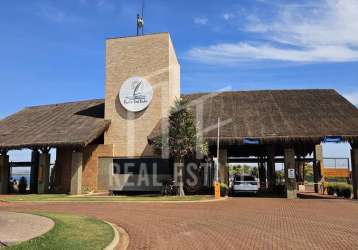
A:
252	141
334	139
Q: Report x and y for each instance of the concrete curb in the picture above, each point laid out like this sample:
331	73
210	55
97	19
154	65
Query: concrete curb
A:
88	194
37	235
113	201
120	240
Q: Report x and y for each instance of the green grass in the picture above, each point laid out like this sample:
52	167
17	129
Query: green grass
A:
64	197
71	232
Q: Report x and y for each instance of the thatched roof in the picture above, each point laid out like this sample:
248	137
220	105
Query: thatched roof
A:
277	115
73	124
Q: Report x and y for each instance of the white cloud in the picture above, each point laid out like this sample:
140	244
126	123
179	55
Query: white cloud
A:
55	14
228	16
332	22
201	20
239	52
352	97
99	4
324	32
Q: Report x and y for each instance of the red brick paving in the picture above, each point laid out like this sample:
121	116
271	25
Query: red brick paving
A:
237	223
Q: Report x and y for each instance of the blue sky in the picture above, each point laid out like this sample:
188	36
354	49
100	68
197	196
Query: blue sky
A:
53	51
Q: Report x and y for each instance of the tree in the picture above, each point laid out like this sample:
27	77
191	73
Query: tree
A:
182	139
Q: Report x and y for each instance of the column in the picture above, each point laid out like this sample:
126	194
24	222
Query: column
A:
354	158
223	169
290	178
319	158
43	173
34	171
271	172
4	173
300	173
317	161
76	173
262	173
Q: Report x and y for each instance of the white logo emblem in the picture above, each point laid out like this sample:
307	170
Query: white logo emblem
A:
135	94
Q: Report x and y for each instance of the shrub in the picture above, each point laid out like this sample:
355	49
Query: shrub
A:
223	189
344	190
330	190
347	193
280	189
22	185
339	192
341	189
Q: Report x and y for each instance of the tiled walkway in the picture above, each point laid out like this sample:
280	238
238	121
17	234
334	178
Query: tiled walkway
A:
236	223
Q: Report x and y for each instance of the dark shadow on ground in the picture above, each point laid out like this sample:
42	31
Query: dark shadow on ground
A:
258	195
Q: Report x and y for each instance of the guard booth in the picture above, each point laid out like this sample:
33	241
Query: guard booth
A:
266	157
336	168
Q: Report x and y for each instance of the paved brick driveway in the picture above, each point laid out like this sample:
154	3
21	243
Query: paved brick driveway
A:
237	223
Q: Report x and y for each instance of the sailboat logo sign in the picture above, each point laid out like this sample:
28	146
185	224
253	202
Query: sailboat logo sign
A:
135	94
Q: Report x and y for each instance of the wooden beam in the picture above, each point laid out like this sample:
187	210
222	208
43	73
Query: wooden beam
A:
255	160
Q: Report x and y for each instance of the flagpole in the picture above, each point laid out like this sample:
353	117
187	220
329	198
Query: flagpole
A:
218	152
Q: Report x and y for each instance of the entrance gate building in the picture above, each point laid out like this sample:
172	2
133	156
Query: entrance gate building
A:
142	82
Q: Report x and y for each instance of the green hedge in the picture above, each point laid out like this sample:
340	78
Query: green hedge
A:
341	189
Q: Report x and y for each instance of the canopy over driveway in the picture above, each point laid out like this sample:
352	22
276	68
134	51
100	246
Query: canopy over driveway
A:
265	124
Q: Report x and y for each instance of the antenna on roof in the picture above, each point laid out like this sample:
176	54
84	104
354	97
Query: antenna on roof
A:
140	21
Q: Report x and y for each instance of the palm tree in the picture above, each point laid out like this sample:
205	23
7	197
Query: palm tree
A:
182	139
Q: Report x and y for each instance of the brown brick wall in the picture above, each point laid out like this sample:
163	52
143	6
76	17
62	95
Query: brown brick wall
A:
90	164
153	58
